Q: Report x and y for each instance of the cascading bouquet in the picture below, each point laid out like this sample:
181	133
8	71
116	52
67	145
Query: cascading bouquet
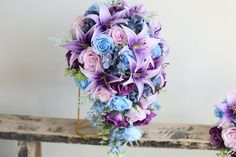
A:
223	135
117	57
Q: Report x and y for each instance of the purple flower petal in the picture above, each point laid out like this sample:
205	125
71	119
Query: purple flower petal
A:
119	15
151	43
97	31
89	34
73	57
231	98
88	74
74	46
143	34
104	15
119	21
131	36
112	79
140	87
152	73
223	107
130	80
94	17
79	34
149	82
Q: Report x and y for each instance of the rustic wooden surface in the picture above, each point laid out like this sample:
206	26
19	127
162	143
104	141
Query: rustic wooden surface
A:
29	149
28	128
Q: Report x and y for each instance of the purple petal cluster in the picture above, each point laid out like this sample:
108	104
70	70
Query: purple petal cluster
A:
223	136
118	57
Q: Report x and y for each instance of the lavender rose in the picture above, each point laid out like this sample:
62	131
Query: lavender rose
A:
90	60
229	137
78	23
136	114
103	94
118	35
216	138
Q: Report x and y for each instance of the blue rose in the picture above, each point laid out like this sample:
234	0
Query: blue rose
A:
132	134
103	43
218	113
120	103
156	51
82	84
124	59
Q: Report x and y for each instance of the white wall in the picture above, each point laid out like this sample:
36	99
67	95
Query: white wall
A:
201	34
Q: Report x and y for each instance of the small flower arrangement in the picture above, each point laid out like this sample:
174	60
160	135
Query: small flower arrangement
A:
117	56
223	135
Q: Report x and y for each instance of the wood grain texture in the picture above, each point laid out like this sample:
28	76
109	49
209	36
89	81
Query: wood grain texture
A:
29	149
28	128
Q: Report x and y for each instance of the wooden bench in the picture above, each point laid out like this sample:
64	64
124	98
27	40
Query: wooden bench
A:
30	131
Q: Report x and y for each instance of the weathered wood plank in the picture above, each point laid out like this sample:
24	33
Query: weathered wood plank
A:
29	149
27	128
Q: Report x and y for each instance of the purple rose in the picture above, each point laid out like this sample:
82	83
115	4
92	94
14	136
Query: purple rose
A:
148	119
233	154
117	119
216	138
123	90
75	65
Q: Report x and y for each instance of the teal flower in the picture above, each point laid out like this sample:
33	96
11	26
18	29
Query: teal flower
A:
103	44
120	103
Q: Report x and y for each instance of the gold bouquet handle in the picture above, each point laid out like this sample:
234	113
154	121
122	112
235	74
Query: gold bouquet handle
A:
84	128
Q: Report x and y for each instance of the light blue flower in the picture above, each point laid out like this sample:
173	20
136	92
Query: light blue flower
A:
155	105
132	134
156	81
82	84
156	51
107	60
124	62
98	107
218	113
120	103
94	7
103	43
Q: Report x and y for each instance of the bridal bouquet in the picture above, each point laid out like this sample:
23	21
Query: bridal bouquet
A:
223	135
117	56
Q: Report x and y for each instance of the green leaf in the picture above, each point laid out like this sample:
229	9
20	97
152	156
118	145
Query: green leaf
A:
70	72
223	152
80	76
